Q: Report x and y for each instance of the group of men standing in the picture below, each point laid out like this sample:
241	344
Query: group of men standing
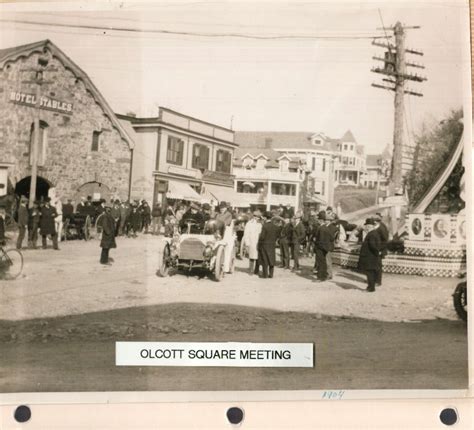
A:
264	232
42	217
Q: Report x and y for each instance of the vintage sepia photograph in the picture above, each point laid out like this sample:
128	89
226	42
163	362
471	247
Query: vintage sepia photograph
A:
266	172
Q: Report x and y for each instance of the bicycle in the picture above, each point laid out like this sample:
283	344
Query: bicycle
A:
11	263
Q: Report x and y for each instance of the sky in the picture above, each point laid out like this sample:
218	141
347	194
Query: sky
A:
319	84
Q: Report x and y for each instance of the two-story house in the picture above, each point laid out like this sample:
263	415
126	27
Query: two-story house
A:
178	157
266	179
314	151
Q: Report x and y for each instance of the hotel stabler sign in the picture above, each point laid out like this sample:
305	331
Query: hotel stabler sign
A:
46	103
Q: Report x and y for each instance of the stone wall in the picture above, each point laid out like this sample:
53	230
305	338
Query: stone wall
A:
70	162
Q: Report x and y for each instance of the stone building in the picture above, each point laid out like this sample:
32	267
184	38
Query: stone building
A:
83	149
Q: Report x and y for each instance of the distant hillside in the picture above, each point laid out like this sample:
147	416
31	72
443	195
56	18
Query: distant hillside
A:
353	199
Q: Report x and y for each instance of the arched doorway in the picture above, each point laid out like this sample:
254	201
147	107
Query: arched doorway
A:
22	188
97	190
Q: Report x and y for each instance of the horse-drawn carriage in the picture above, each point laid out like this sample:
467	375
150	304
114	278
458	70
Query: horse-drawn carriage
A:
78	226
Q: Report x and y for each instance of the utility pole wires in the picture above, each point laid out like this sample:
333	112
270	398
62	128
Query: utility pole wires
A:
395	69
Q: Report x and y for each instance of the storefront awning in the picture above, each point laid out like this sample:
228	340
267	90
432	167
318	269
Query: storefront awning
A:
315	199
223	194
182	191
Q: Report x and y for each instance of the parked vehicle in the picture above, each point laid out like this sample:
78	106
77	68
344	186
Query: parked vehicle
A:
212	252
460	298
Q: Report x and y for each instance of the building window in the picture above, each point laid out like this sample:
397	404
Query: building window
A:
313	166
261	163
284	165
95	140
324	165
175	151
223	161
345	147
42	143
319	186
200	156
283	189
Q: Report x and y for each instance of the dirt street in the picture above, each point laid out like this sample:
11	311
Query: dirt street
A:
59	324
71	281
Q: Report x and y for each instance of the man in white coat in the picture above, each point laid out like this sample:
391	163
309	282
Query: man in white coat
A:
250	239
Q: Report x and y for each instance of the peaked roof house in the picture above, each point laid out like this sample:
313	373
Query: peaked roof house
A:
83	148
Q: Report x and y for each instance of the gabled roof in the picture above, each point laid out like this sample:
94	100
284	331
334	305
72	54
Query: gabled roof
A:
348	137
16	52
279	140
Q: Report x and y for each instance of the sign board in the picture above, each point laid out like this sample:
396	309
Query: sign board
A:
44	102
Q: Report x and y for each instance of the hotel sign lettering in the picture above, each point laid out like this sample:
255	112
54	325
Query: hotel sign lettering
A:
44	102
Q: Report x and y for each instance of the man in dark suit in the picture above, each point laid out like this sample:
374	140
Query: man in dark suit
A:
47	224
322	247
382	230
286	237
369	257
299	235
266	245
22	221
108	236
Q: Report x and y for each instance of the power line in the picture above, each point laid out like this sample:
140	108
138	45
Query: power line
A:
190	33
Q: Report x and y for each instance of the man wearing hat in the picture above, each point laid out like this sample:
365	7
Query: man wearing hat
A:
369	257
22	221
194	218
382	230
333	229
266	246
250	238
322	246
47	225
224	216
298	236
81	207
108	235
286	240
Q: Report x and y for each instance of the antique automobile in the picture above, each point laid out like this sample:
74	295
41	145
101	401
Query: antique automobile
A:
210	249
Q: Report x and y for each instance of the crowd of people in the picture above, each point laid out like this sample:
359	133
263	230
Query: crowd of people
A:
260	233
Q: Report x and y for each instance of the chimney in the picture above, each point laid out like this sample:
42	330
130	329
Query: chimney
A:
268	142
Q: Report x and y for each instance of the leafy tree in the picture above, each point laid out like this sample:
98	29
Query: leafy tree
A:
434	146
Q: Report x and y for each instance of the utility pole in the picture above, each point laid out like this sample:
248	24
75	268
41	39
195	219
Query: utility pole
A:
38	81
36	136
395	68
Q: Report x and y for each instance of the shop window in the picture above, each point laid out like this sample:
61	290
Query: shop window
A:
95	140
42	143
223	161
200	156
175	151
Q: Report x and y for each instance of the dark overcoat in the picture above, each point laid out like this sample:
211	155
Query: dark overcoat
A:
108	231
267	243
299	234
323	239
369	257
286	233
383	234
47	226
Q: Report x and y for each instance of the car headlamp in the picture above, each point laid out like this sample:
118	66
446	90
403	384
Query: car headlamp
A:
208	251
